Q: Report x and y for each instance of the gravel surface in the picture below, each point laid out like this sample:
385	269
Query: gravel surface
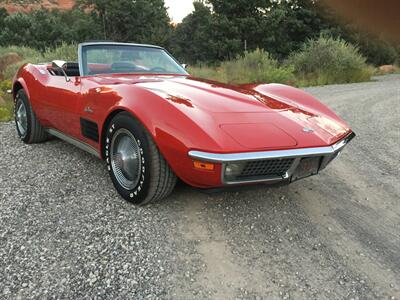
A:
65	233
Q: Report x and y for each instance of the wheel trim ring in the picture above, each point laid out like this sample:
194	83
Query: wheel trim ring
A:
21	118
126	159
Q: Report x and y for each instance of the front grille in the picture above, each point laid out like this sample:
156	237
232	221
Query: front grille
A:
270	167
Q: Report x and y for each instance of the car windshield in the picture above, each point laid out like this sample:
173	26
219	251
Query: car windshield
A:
128	59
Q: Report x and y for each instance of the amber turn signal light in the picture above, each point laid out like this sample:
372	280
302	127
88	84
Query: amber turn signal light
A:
201	165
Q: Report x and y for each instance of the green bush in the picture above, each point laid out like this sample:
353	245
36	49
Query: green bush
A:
4	114
252	67
328	61
21	51
378	52
67	52
208	72
6	110
5	85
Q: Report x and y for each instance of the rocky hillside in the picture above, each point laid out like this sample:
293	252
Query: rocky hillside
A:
27	5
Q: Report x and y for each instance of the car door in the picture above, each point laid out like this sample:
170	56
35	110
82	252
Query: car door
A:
91	111
61	100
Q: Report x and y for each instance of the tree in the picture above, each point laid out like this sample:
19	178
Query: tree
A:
246	16
280	27
241	8
43	28
141	21
204	37
16	29
288	25
81	26
3	15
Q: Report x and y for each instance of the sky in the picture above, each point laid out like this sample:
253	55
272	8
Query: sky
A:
178	9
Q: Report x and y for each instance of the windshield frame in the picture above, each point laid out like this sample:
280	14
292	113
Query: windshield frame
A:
88	44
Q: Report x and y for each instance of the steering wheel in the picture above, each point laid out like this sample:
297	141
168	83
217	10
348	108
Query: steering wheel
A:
157	69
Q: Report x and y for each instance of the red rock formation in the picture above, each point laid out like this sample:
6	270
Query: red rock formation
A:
49	4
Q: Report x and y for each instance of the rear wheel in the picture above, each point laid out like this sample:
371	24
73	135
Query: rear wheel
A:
28	127
136	167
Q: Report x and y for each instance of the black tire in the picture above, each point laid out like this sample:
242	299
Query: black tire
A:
155	179
34	132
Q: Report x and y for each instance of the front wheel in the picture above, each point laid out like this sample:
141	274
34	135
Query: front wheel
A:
136	167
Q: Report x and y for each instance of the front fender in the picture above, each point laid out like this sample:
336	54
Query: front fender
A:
19	81
296	97
172	128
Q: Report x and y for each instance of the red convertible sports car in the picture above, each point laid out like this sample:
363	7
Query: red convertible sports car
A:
138	109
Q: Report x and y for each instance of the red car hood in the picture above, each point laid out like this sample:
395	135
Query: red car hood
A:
254	119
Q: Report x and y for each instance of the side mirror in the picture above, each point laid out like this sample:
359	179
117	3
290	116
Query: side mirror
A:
59	64
185	66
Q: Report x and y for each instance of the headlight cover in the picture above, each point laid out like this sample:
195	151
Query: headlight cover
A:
233	169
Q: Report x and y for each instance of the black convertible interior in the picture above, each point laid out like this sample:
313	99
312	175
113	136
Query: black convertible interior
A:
71	68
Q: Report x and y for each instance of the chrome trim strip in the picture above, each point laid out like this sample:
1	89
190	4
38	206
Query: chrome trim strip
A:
82	145
303	152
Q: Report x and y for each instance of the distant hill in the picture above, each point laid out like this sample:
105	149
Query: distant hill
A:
28	5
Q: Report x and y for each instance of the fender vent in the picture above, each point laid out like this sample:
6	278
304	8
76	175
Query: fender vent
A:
90	130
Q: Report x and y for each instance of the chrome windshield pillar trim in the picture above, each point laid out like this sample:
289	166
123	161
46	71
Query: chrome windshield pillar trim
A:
86	147
248	156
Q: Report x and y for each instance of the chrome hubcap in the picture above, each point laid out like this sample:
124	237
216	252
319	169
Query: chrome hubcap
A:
126	160
21	118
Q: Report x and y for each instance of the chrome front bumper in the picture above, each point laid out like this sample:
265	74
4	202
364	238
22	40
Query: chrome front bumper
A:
324	155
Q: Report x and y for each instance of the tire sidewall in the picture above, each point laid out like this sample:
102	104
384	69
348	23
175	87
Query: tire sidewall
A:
22	97
138	194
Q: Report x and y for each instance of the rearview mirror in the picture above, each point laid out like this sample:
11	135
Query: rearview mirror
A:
59	64
185	66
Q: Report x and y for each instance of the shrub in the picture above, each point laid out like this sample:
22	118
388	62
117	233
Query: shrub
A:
252	67
378	52
21	51
257	66
8	59
4	114
207	72
328	61
5	85
6	108
67	52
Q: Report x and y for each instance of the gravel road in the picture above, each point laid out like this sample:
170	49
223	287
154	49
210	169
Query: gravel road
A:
65	233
